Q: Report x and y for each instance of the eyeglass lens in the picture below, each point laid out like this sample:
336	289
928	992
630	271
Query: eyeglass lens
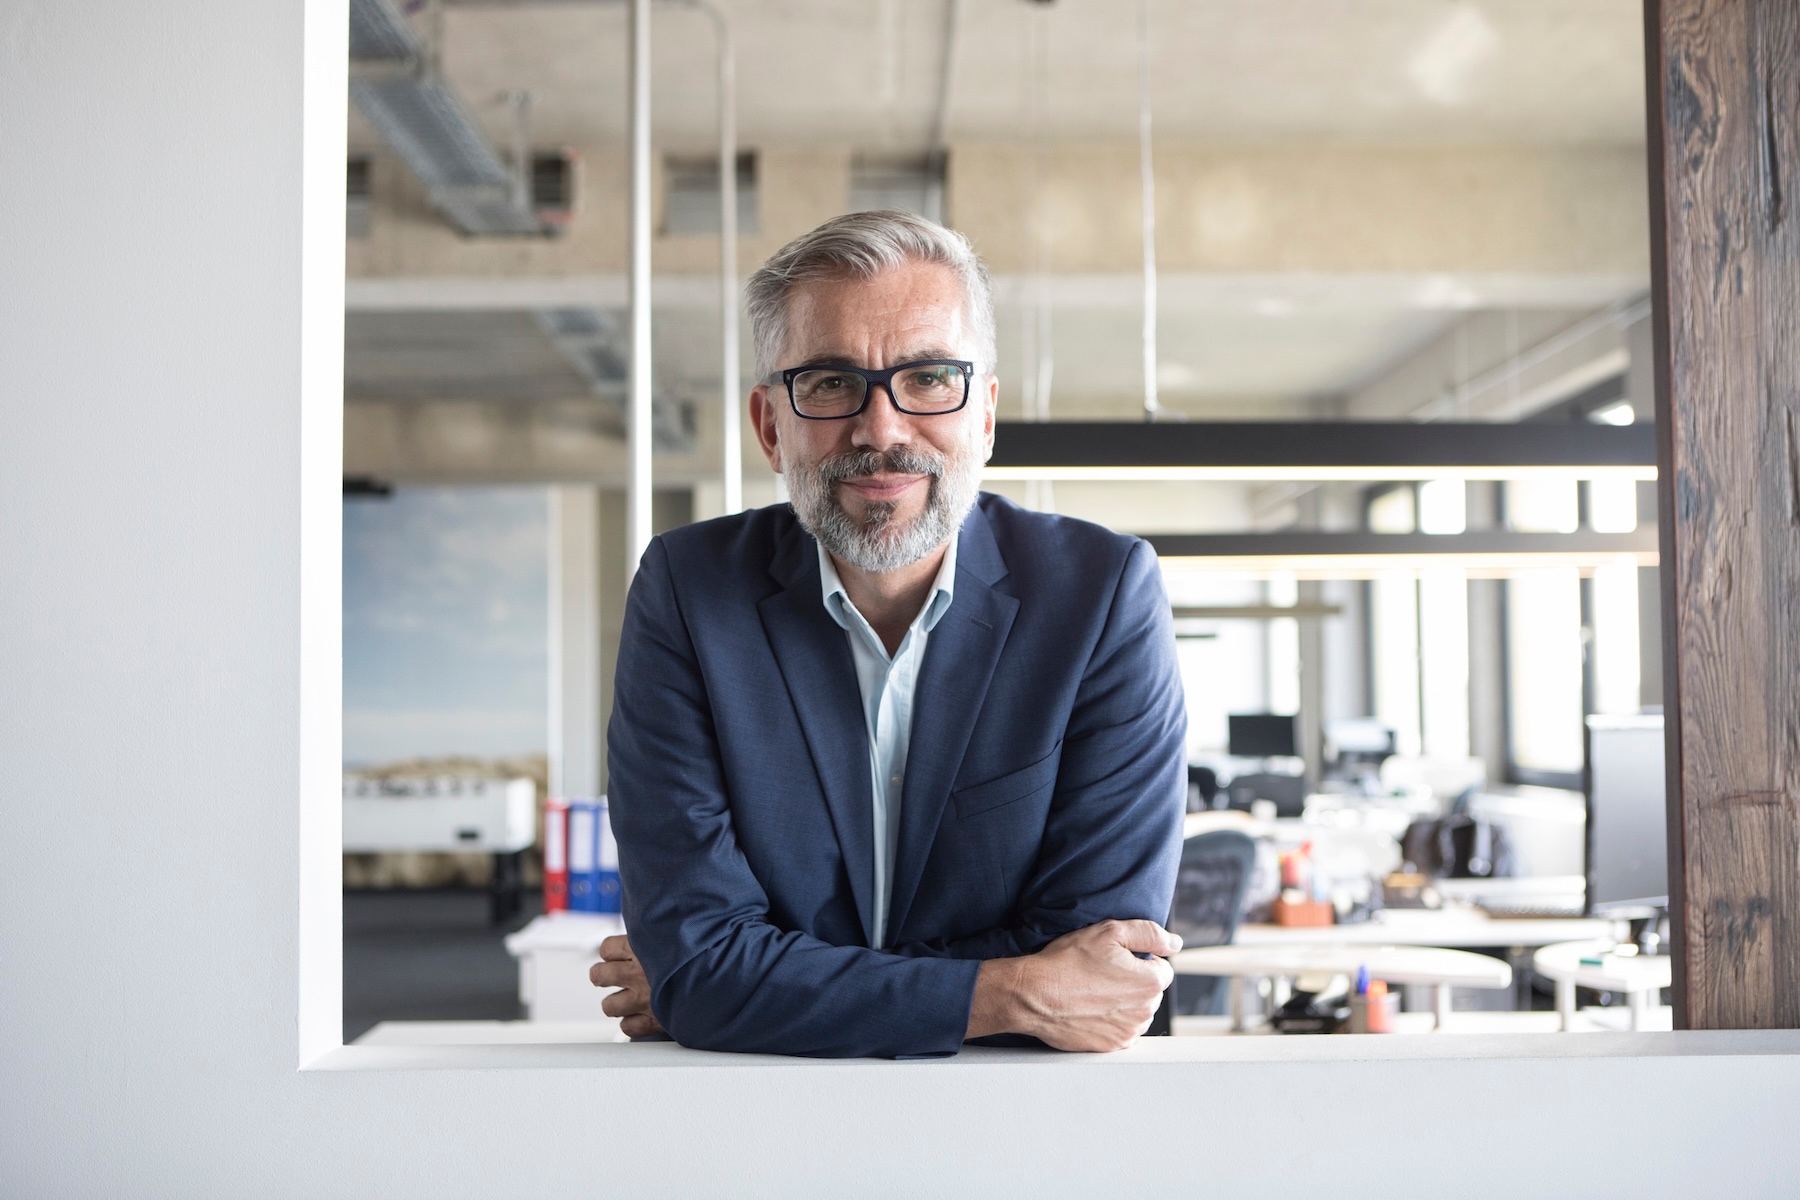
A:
928	388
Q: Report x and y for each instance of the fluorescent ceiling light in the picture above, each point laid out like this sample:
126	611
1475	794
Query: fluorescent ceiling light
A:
1332	474
1498	565
1314	554
1317	451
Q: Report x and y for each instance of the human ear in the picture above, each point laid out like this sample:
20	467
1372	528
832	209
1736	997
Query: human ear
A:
762	416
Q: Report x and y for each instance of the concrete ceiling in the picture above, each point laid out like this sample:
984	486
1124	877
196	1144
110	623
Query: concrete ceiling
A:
867	72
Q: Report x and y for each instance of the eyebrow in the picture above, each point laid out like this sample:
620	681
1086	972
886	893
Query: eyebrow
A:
920	354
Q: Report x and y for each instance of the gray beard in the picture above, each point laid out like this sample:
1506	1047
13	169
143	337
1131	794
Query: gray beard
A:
878	544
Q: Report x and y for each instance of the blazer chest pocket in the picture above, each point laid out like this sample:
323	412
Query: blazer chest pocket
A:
1014	785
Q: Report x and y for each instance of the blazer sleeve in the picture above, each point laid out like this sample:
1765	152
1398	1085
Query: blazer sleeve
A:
722	977
1112	842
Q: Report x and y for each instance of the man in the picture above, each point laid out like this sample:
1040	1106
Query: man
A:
903	765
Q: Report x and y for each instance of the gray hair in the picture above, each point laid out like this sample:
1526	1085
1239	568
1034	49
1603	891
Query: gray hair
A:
861	245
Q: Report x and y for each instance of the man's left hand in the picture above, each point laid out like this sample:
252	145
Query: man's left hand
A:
619	968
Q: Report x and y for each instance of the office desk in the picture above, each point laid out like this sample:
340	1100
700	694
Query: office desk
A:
1442	969
1639	976
1452	927
554	952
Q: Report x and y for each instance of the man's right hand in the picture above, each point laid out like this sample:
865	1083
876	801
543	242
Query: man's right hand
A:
619	968
1087	990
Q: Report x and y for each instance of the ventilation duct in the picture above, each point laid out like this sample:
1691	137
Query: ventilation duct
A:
426	124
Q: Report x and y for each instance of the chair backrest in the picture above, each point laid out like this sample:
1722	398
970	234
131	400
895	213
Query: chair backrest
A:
1206	781
1287	791
1209	887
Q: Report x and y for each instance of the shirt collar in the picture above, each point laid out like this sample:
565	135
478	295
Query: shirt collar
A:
943	590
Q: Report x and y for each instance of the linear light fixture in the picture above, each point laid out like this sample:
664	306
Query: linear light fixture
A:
1321	555
1352	451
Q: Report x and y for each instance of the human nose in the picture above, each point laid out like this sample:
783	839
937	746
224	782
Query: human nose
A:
881	423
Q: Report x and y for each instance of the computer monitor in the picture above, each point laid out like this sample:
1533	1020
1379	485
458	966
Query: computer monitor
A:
1364	737
1627	820
1261	735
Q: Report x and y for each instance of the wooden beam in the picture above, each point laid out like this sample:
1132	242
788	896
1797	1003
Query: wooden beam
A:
1724	142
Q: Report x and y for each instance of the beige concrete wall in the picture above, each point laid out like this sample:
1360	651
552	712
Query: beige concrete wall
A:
1301	207
1292	207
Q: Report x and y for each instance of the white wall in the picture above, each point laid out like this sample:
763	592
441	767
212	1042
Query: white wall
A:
152	650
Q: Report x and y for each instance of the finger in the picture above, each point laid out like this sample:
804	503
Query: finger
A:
639	1026
624	1004
616	948
1146	937
1165	974
617	974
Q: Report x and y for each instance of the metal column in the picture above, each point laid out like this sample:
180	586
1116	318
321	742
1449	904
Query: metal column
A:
637	520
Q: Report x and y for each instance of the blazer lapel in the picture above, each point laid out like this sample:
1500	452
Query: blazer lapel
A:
960	658
815	662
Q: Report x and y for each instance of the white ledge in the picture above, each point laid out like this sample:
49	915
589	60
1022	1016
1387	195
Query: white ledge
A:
1148	1052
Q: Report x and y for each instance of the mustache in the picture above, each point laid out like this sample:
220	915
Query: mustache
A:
901	460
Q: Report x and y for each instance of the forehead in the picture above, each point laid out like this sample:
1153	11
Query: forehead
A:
915	308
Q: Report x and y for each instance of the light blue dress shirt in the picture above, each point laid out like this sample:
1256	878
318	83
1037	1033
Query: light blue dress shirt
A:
887	695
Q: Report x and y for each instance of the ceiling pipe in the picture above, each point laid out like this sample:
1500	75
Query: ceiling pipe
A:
730	371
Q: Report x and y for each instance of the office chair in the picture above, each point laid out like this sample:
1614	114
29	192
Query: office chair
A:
1209	900
1287	791
1205	782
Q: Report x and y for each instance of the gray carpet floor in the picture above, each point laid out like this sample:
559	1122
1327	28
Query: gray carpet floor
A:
427	956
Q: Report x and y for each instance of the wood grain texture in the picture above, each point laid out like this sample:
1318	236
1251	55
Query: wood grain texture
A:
1724	83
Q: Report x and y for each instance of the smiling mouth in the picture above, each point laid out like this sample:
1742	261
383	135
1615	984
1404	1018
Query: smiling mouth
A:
882	487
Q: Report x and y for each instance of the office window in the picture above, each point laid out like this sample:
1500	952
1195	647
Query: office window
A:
1394	626
1284	646
1545	640
1544	701
1543	505
553	187
912	183
691	201
1443	506
1222	661
1612	505
1444	660
1616	643
1394	510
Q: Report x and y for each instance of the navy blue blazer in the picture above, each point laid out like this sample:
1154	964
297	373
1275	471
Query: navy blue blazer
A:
1044	790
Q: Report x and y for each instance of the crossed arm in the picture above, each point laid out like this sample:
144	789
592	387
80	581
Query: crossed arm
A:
726	978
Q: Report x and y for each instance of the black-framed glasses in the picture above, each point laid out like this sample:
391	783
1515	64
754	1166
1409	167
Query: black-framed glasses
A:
927	388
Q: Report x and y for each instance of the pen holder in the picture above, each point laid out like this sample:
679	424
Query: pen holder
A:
1373	1014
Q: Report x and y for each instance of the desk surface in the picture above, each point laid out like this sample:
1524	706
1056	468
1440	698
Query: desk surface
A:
1454	926
1396	964
1638	973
